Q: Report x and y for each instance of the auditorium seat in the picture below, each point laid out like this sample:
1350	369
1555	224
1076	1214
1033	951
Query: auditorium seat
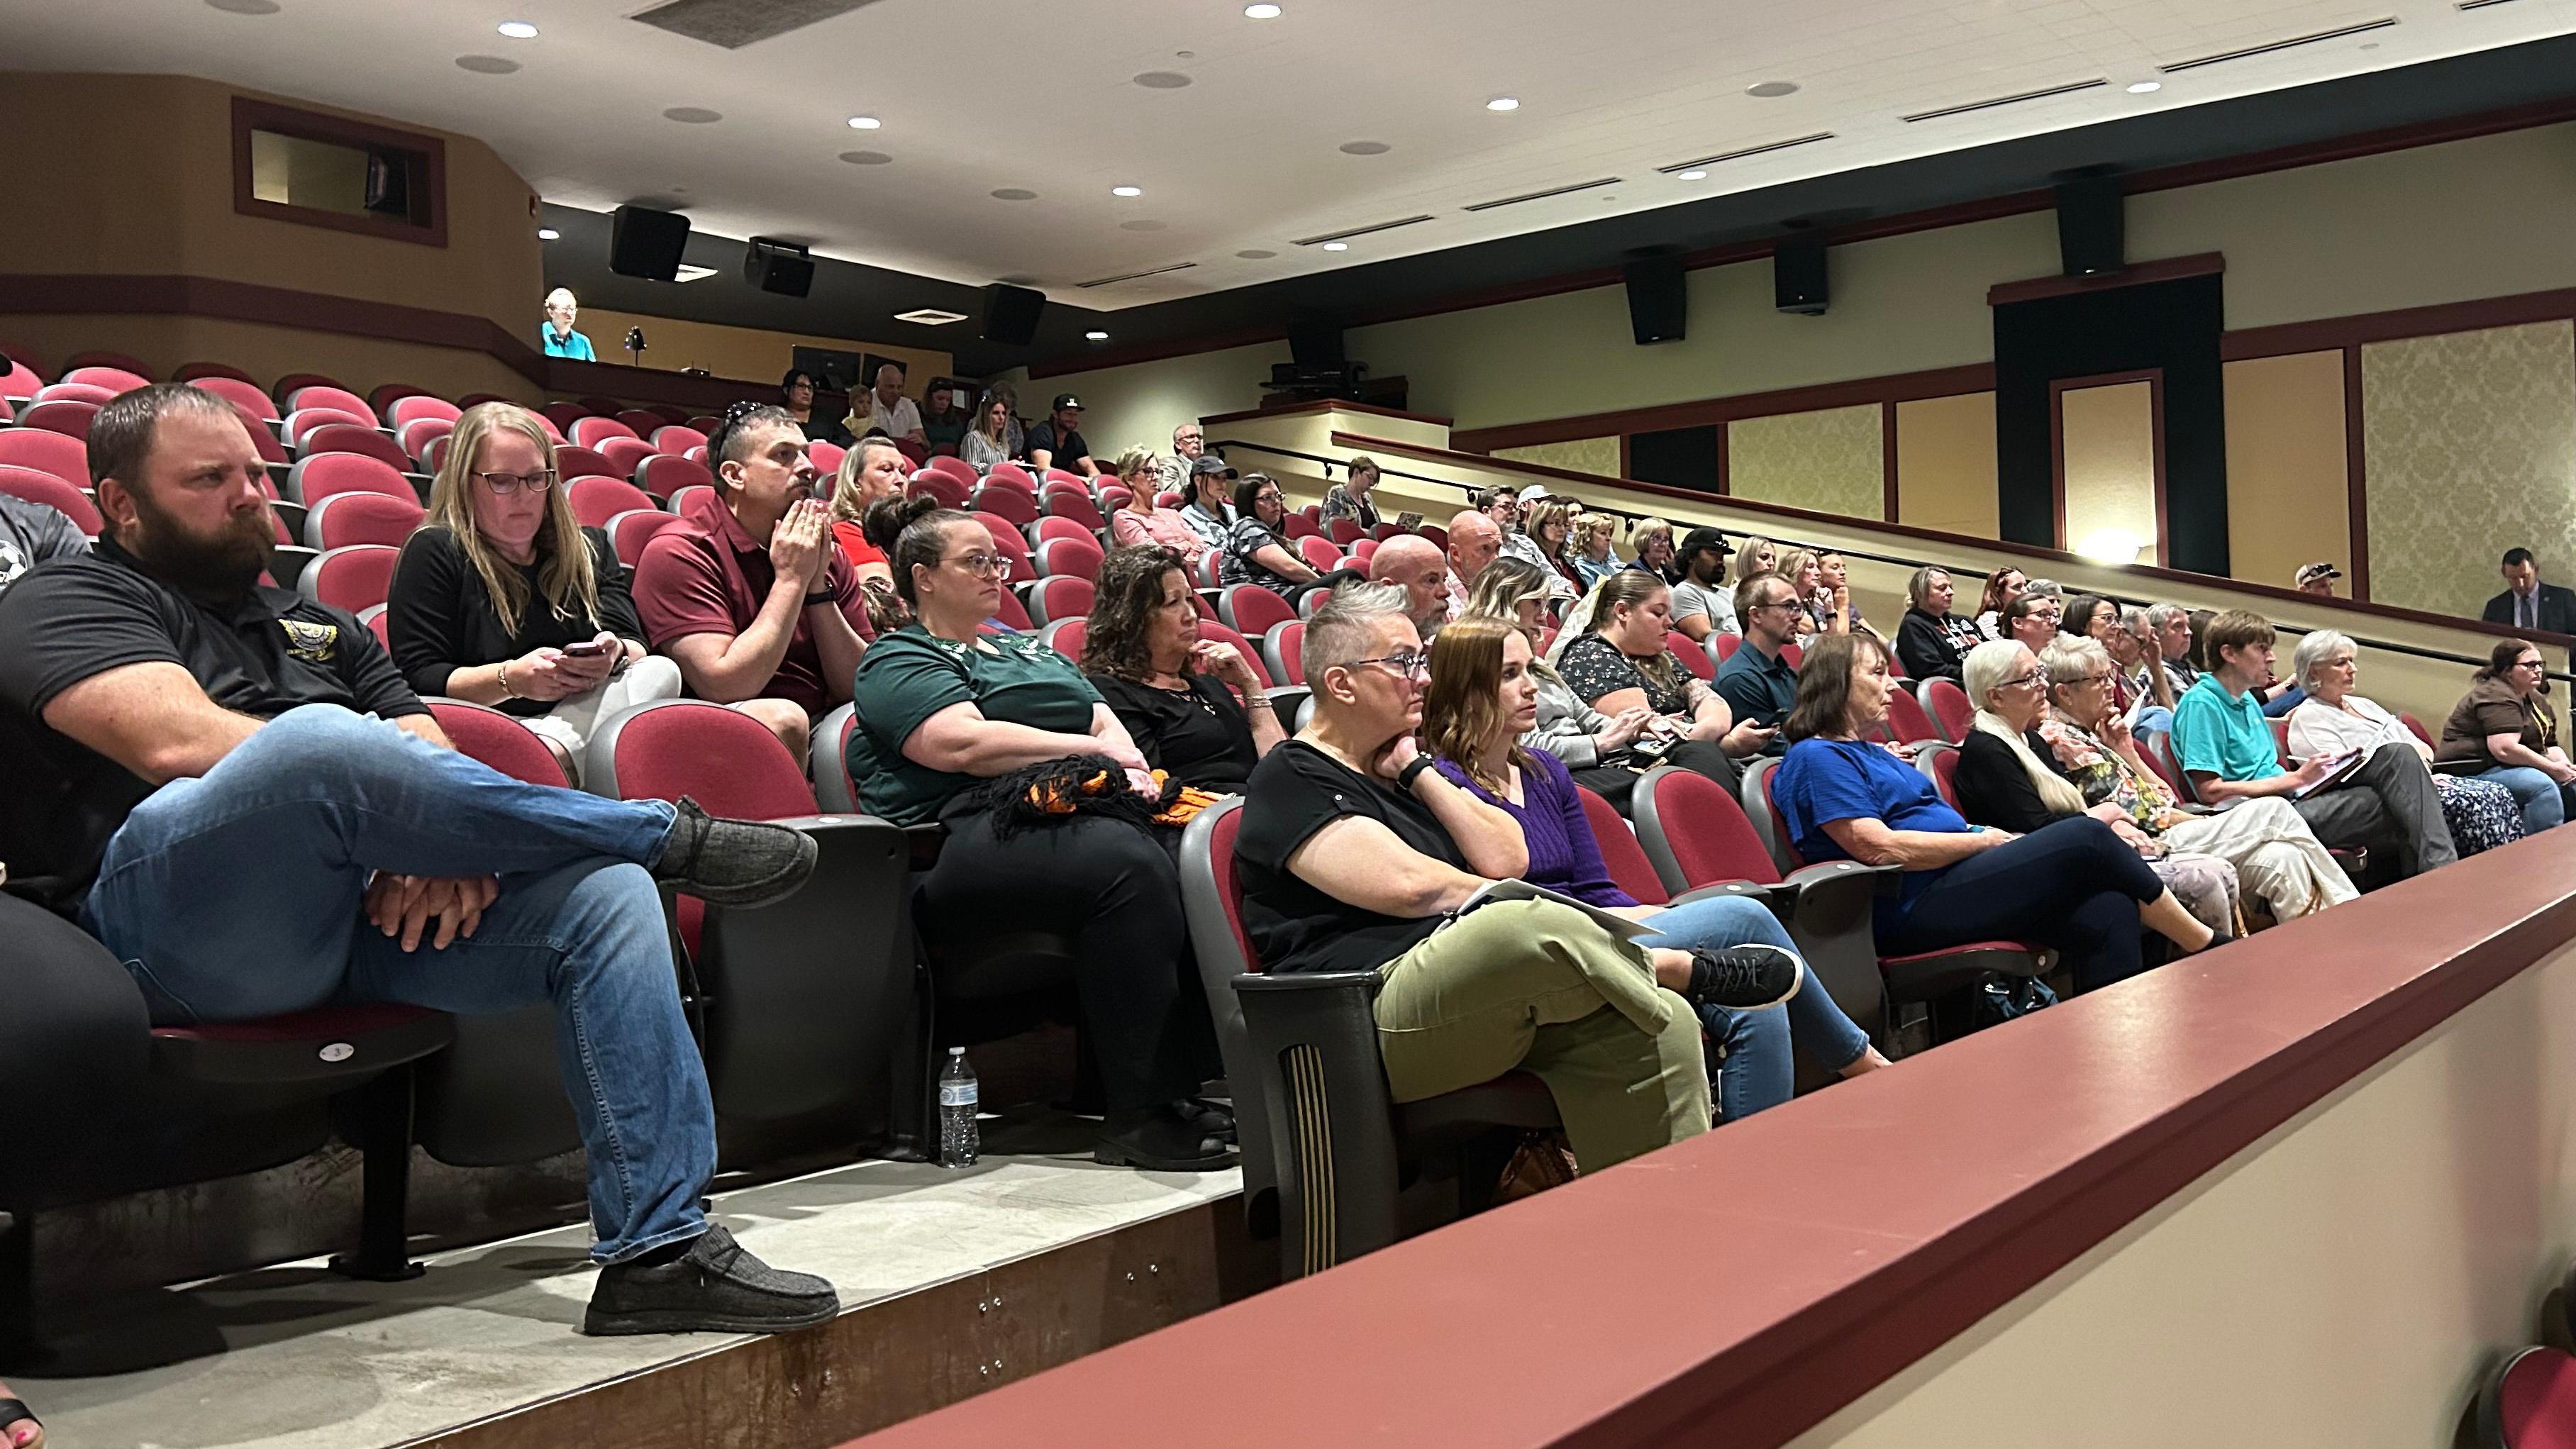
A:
246	396
1013	475
826	458
1939	762
359	516
1069	503
1050	528
1324	1162
628	532
606	407
2408	719
676	439
574	461
420	439
625	454
1363	553
1112	498
384	395
683	498
1012	612
413	407
1007	540
563	414
71	419
1059	596
1283	649
1387	530
1297	525
324	395
126	363
1688	651
348	438
1251	610
1720	647
949	492
19	378
2527	1401
1621	856
1318	552
1948	706
69	390
588	431
643	422
201	371
1905	717
50	452
285	388
596	500
1344	531
1079	557
114	379
1169	498
800	1005
379	625
1003	501
1066	637
320	475
293	427
664	475
827	761
351	578
35	485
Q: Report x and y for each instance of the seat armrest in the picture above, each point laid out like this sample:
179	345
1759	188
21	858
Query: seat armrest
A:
1284	702
1828	908
1327	1109
1308	981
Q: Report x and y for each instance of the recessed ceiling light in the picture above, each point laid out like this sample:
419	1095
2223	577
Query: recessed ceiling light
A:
1503	103
930	316
690	273
692	115
486	64
1261	12
1694	176
518	30
2146	87
1772	90
1099	336
1337	246
1126	191
864	123
547	233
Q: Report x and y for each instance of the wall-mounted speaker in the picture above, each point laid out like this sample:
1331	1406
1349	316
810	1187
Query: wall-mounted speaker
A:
1658	299
1011	314
1798	275
1314	342
646	243
777	266
2089	226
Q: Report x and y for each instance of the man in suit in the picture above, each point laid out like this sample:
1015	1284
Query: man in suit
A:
2527	603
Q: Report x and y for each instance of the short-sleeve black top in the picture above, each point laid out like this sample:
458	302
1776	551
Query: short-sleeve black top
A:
1295	791
1199	736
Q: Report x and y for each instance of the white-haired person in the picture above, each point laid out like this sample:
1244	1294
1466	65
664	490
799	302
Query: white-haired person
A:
1656	554
2481	811
2278	859
555	334
2003	781
1354	853
502	598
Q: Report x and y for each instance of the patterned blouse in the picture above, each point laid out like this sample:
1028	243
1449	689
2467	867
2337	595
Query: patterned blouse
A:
2101	774
1593	667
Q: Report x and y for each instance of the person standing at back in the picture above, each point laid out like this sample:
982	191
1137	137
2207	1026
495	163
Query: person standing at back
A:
557	336
2527	603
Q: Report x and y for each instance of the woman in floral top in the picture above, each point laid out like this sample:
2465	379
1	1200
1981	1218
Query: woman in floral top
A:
2277	857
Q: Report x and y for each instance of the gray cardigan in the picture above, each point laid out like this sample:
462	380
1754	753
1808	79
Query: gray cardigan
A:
1566	725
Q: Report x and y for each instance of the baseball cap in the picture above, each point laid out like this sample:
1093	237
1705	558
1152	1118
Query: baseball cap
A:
1534	493
1209	463
1065	400
1706	538
2311	573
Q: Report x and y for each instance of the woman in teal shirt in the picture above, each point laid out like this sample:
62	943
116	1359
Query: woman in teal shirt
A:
943	707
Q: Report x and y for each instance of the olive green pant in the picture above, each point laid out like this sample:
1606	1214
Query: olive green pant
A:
1541	987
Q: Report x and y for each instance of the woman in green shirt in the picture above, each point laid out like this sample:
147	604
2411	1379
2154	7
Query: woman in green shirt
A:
943	707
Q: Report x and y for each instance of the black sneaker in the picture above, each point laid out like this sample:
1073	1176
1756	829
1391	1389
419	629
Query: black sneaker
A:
1744	978
715	1287
733	862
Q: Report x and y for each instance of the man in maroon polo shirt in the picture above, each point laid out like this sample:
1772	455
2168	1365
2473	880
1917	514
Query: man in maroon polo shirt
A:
749	596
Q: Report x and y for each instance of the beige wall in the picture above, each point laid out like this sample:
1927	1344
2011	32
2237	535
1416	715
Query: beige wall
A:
1140	404
2340	1282
1583	455
1833	460
2289	500
672	345
1945	464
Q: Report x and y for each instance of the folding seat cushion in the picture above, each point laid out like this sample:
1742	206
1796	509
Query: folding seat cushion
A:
37	486
664	475
630	531
677	439
352	578
325	395
361	517
69	390
1363	552
378	625
1319	553
1014	475
1066	637
498	740
366	441
587	431
384	395
20	379
642	422
683	499
625	454
1077	507
1054	528
285	388
1251	610
955	467
412	407
1906	719
1298	525
71	419
1079	557
575	461
319	475
1283	650
595	500
417	436
1007	502
949	492
1688	650
826	457
114	379
61	454
562	415
1948	706
246	396
296	425
1345	531
1113	497
1060	596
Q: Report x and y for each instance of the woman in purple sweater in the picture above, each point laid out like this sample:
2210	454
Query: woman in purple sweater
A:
1481	700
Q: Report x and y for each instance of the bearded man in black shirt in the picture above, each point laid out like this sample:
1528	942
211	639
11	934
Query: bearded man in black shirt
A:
231	787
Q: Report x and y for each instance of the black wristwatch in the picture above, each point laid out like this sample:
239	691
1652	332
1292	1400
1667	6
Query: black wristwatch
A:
826	596
1405	777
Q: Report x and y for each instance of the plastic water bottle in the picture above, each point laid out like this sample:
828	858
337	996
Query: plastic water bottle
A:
958	1140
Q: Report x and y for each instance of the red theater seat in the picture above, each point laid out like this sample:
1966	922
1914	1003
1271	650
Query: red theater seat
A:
243	395
596	500
71	419
628	532
114	379
1004	501
324	395
320	475
70	391
499	741
1906	719
949	492
1949	708
62	454
642	422
588	431
1319	553
1688	650
1251	610
1283	650
1078	557
361	517
38	486
285	388
413	407
424	439
677	439
2528	1401
663	476
353	578
1050	528
574	461
1059	596
625	454
345	438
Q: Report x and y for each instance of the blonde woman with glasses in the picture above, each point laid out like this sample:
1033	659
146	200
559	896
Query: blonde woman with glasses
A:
502	597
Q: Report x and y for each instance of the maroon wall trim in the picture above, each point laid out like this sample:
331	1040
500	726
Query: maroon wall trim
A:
1895	387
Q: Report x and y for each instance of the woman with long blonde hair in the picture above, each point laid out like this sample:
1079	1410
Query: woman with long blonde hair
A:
873	468
502	598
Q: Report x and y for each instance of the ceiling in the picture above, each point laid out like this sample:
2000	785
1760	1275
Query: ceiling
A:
978	96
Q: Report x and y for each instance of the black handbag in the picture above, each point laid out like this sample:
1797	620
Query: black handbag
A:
1999	998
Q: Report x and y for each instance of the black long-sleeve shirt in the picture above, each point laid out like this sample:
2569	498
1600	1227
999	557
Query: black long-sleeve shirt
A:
1933	646
1995	788
440	617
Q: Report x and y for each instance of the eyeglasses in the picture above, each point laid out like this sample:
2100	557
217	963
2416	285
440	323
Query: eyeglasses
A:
1406	664
1267	498
983	565
505	484
2529	664
2023	681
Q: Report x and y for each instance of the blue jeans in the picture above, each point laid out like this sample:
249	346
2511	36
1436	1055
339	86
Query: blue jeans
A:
238	895
1760	1070
2543	800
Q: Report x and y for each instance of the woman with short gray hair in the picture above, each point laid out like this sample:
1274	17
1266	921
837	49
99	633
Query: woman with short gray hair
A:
2482	813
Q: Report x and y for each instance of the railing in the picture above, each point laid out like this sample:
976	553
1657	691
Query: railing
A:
1378	447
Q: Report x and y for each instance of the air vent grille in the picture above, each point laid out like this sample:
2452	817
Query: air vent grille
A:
2249	52
1762	150
1133	276
1987	105
1309	241
1543	195
734	24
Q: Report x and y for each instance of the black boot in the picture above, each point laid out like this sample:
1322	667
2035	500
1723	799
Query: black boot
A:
714	1287
1164	1139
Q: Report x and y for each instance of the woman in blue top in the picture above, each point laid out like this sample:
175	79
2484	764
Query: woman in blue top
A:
2072	886
1482	699
957	725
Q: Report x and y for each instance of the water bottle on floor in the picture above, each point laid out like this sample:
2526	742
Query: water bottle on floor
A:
958	1140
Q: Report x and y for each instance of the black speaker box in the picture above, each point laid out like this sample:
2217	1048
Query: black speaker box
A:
646	243
1658	299
780	267
1011	314
2089	239
1314	343
1798	276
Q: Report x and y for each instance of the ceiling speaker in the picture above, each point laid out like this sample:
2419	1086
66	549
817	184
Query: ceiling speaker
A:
646	243
1011	314
1658	299
2089	229
1798	275
777	266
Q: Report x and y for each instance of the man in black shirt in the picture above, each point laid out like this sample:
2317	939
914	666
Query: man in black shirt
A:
225	781
1055	443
